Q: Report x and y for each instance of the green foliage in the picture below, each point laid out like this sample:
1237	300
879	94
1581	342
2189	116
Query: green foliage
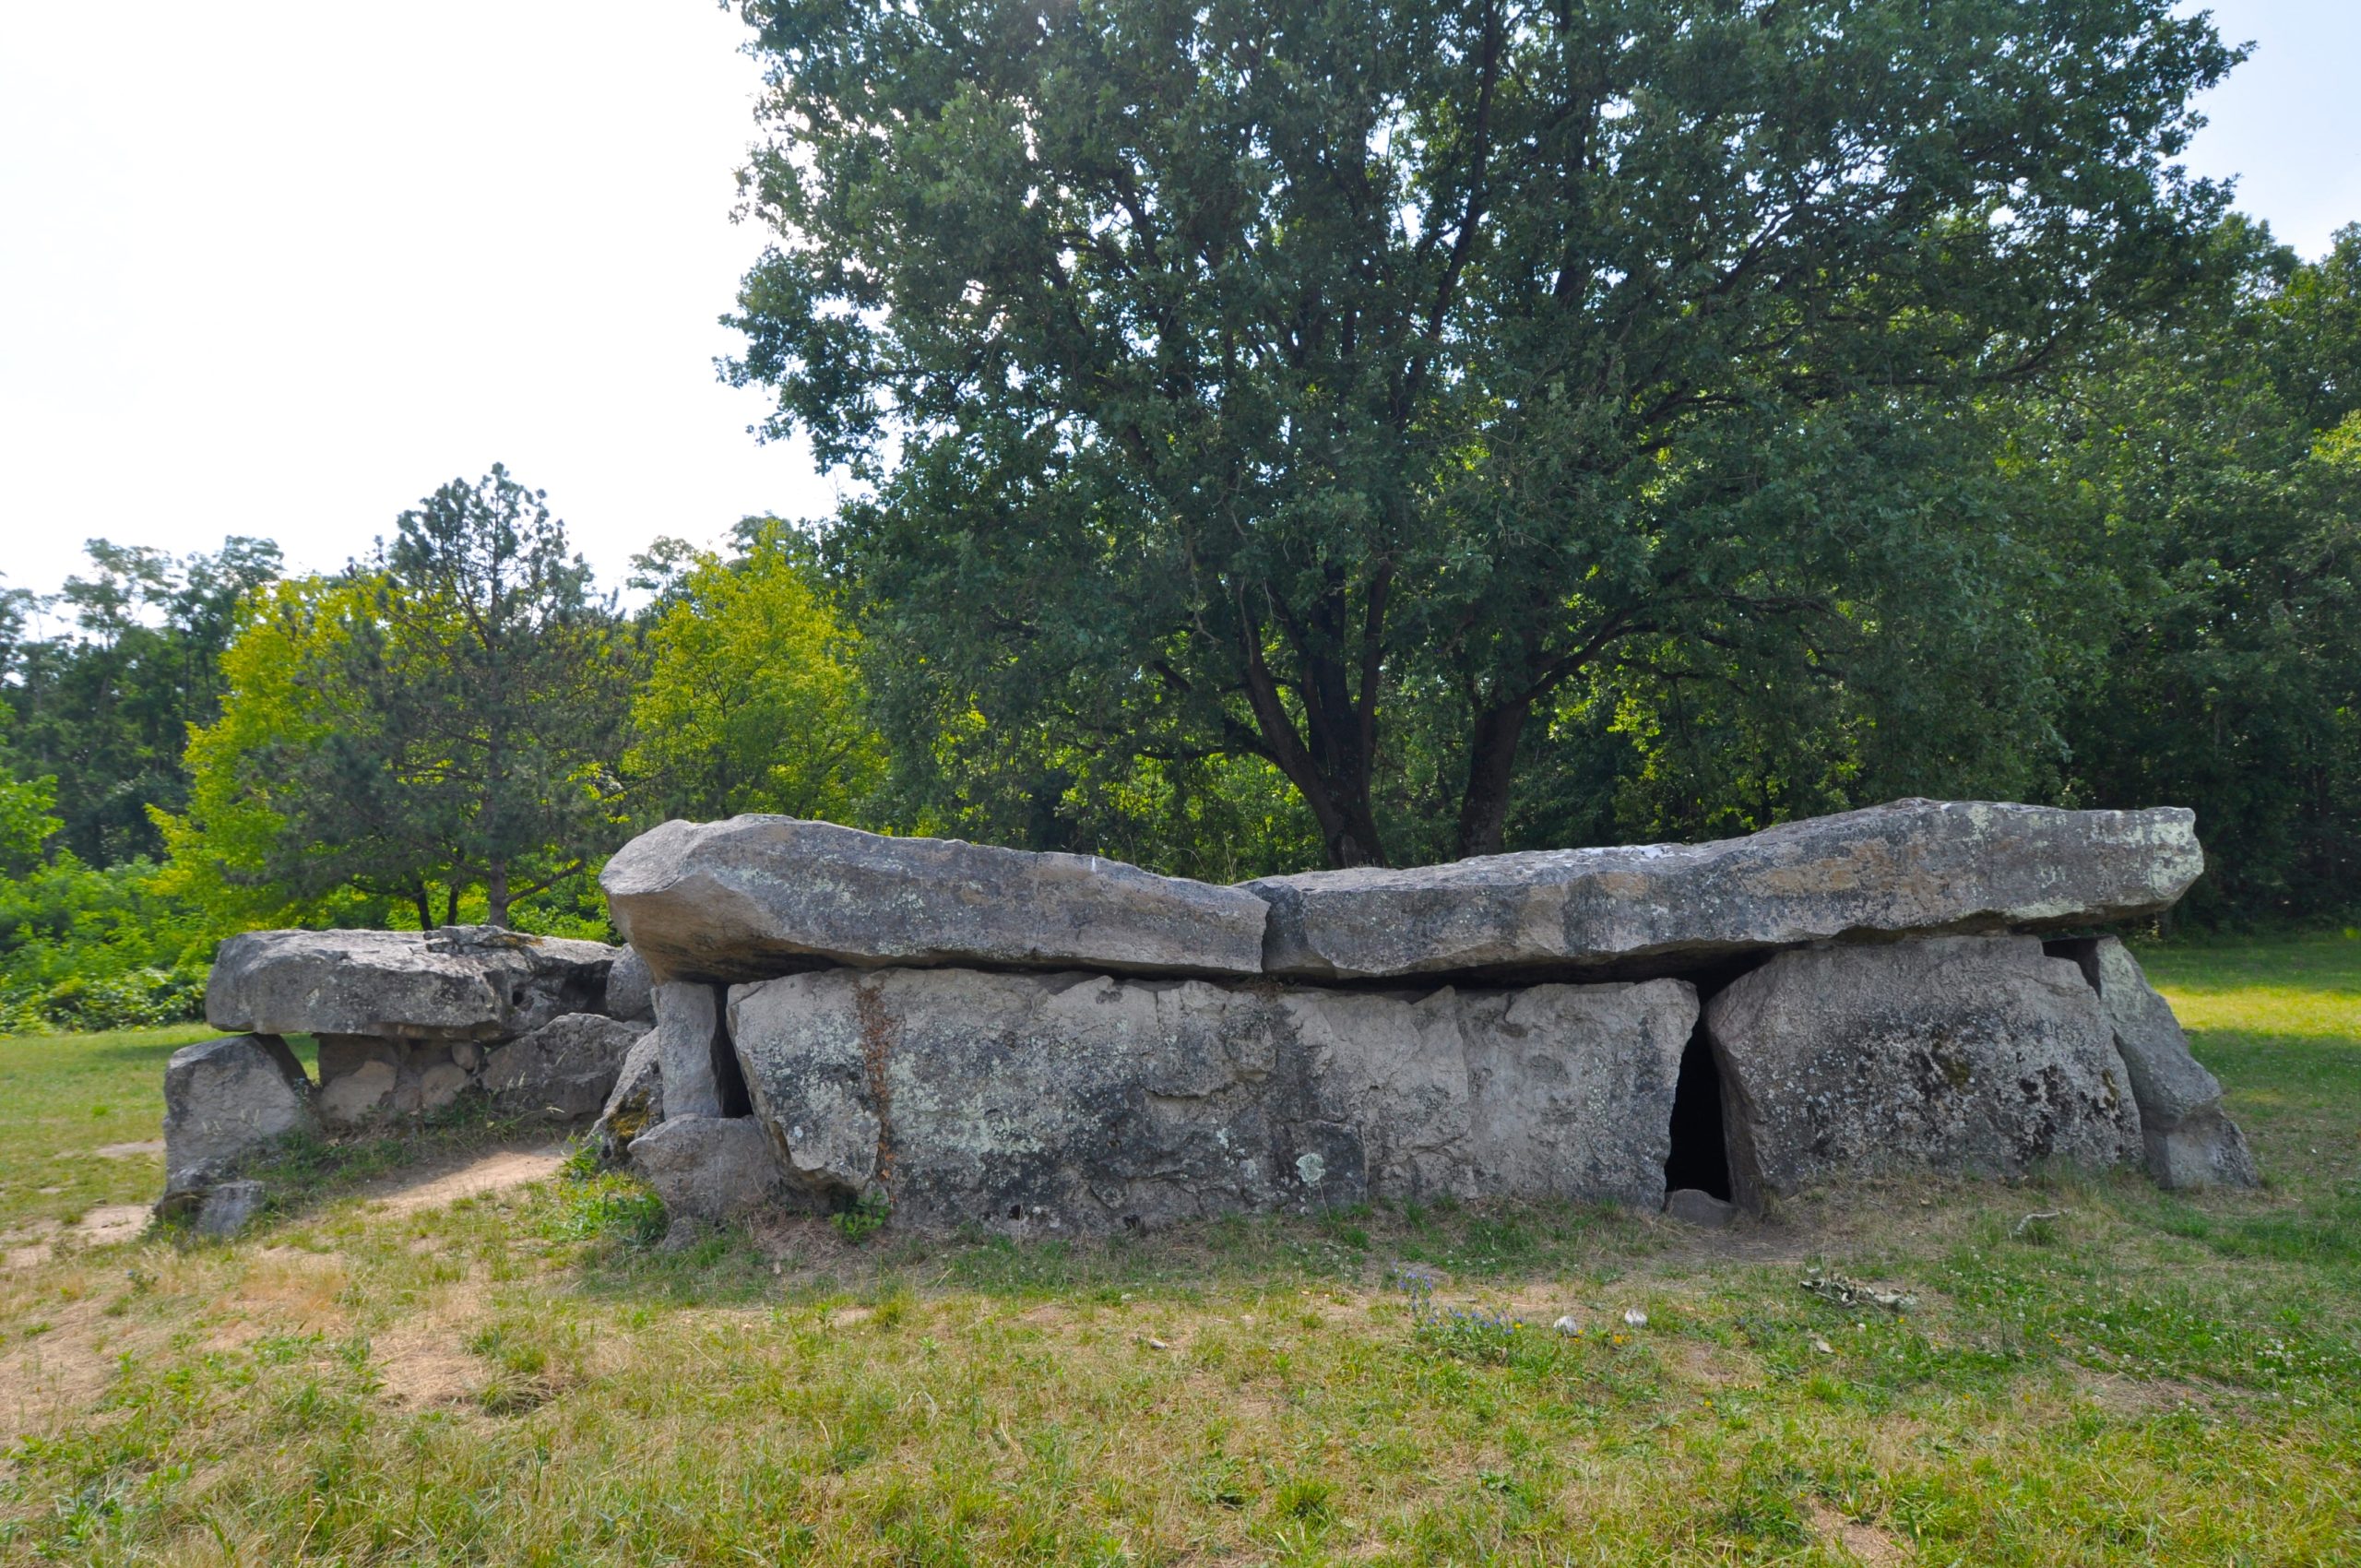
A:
751	701
1340	384
2212	470
460	709
863	1217
105	708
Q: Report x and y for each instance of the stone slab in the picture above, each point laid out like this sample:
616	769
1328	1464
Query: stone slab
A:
1910	866
227	1099
712	1169
2191	1139
460	982
1968	1056
756	897
1084	1102
563	1071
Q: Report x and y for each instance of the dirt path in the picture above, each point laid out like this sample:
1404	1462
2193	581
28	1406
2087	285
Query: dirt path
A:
495	1172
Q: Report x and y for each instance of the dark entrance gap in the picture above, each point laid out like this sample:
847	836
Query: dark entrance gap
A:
1700	1154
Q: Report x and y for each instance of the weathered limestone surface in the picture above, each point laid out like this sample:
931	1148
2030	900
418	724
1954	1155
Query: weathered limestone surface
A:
712	1169
693	1053
631	989
458	983
2191	1140
225	1099
366	1079
1089	1102
756	897
1910	866
637	1103
1958	1055
563	1071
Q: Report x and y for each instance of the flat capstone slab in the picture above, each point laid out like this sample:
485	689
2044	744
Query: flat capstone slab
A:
757	896
1913	866
455	983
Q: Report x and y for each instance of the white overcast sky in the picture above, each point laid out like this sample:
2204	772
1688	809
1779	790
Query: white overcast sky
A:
281	268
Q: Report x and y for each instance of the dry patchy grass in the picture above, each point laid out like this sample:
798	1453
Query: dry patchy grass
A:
521	1374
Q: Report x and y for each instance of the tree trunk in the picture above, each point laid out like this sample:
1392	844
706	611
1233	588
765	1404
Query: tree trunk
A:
425	903
1491	769
1327	761
495	892
451	903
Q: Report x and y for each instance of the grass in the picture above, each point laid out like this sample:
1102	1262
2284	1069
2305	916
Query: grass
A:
528	1378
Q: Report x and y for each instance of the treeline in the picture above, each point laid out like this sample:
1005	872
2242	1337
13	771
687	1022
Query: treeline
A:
1382	433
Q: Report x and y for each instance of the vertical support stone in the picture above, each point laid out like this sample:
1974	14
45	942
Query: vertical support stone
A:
693	1051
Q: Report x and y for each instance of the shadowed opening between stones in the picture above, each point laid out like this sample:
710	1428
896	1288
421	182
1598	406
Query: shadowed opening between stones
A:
1699	1156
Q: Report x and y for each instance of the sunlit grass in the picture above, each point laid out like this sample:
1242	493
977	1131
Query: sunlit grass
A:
530	1377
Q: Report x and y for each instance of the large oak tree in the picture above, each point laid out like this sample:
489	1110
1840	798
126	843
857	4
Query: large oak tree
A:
1225	372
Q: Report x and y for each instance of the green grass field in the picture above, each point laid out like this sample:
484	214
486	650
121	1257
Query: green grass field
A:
524	1377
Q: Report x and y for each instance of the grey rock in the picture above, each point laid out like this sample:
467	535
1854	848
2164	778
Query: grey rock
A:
637	1103
460	982
227	1099
563	1071
711	1168
365	1079
1910	866
756	897
630	989
1693	1206
2191	1142
700	1071
1082	1103
227	1207
1958	1055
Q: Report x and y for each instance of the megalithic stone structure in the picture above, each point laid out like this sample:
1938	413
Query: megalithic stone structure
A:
970	1036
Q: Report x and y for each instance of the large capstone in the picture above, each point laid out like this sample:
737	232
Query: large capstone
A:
1970	1055
563	1071
1084	1102
225	1100
1910	866
756	897
458	983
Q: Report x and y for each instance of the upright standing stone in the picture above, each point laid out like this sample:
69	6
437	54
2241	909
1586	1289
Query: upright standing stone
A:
630	989
761	895
1958	1055
701	1075
562	1071
227	1099
1911	866
1092	1102
2189	1138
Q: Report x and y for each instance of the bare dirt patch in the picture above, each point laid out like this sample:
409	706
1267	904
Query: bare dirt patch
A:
495	1172
131	1151
112	1222
64	1366
1866	1544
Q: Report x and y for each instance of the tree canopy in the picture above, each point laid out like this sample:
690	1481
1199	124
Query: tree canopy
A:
1240	379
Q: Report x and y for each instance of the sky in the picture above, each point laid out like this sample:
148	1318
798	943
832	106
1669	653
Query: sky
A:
280	268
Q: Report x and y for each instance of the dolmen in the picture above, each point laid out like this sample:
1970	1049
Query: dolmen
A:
810	1018
406	1024
967	1036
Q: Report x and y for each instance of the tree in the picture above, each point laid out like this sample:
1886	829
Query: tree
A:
1231	371
106	707
464	712
2213	470
751	702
